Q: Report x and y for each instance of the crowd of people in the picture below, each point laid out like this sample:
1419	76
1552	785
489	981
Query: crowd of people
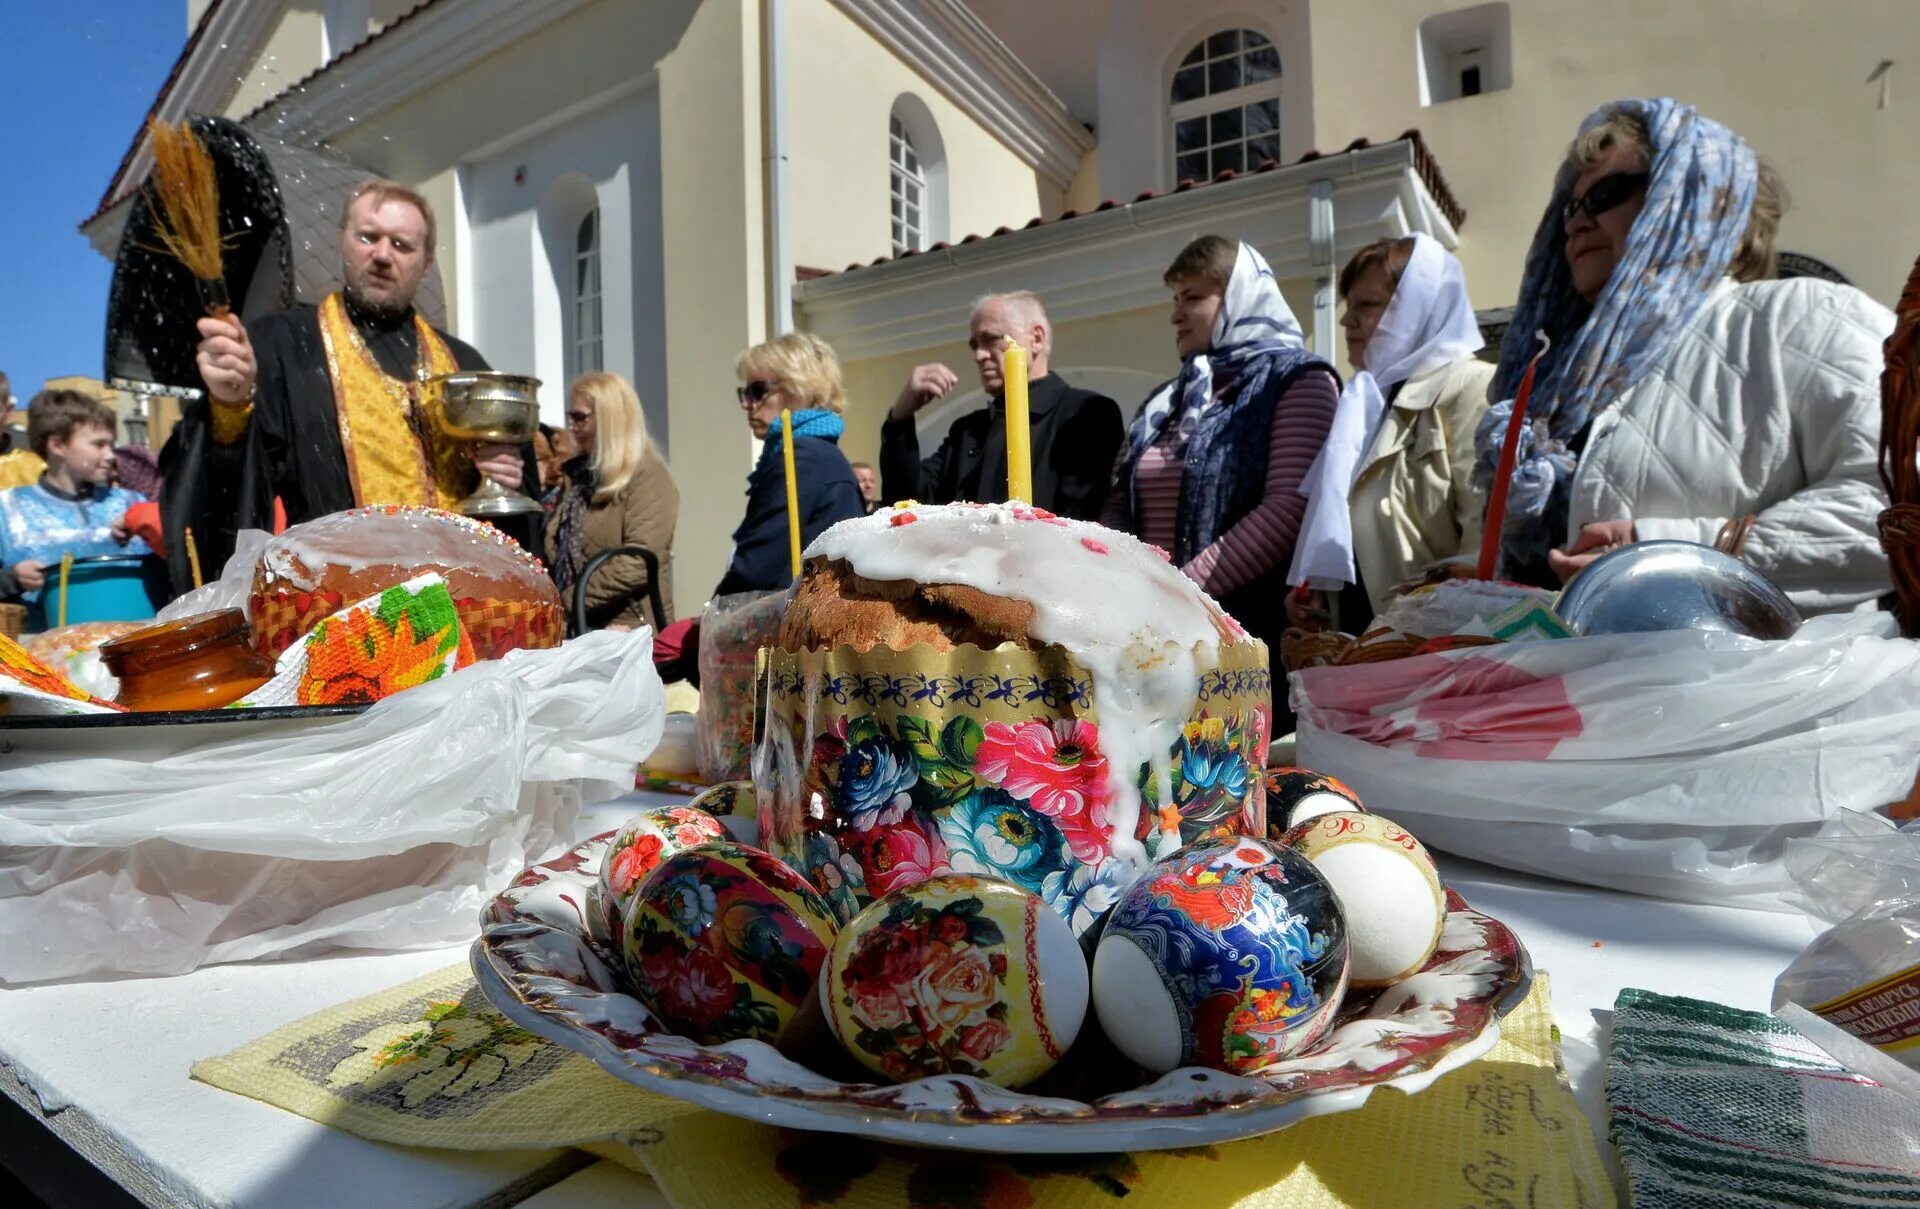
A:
1683	392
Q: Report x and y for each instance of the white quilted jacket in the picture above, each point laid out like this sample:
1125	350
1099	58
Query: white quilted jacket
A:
1768	404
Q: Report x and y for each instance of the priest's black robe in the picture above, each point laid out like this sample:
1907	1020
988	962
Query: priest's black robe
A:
292	449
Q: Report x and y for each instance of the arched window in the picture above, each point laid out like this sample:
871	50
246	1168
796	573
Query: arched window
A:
589	345
1226	105
908	185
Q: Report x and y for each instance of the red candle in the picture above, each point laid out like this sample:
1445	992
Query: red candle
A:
1503	474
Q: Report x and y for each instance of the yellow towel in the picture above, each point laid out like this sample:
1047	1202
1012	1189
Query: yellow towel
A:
429	1064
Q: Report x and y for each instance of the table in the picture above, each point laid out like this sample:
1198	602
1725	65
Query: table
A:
103	1065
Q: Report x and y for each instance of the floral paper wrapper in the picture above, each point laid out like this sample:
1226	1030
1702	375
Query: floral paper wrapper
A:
879	769
402	637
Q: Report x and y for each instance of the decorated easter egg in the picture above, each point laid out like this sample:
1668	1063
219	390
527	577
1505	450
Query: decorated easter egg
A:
1295	795
734	804
956	975
1230	954
1389	891
637	849
723	941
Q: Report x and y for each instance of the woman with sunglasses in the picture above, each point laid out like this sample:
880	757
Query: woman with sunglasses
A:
616	492
1686	394
802	372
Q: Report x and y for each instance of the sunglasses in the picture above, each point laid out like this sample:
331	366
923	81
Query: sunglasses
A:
1604	194
579	417
754	392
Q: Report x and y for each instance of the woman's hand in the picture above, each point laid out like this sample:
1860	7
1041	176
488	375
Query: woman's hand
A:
1593	540
1309	610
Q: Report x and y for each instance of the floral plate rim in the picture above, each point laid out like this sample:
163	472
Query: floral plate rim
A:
577	1002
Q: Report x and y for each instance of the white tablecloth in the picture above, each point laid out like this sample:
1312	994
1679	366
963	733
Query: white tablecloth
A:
105	1063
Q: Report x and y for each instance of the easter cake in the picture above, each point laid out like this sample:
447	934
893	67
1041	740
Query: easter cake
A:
995	690
505	598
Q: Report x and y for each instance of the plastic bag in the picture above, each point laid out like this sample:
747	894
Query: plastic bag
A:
1676	764
155	850
732	631
1863	974
231	590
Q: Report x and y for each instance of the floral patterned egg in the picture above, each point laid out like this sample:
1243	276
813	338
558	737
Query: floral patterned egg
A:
637	849
1295	795
734	804
1389	890
1230	954
724	941
957	975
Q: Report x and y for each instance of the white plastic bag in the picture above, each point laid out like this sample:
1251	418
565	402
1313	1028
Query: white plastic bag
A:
156	850
233	587
1675	764
1862	975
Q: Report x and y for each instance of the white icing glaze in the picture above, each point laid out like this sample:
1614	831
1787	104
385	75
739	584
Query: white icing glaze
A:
1144	631
364	538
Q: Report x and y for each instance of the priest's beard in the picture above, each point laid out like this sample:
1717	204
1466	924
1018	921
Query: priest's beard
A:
380	310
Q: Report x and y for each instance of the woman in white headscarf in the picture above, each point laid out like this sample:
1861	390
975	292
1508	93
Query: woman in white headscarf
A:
1392	495
1212	466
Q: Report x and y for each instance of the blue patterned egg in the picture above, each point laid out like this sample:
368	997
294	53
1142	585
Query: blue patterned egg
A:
1230	954
1295	795
724	941
636	850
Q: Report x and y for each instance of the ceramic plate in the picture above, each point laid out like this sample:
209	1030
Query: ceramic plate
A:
540	964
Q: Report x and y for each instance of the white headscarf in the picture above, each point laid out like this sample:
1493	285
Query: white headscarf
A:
1254	319
1429	323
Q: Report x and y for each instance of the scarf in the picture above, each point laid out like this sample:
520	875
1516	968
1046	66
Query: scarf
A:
1256	351
1429	323
807	422
1699	196
570	522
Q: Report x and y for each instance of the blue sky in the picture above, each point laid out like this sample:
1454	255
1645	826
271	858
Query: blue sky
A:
76	78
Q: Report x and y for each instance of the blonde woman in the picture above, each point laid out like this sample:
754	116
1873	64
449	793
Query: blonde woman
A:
801	372
617	492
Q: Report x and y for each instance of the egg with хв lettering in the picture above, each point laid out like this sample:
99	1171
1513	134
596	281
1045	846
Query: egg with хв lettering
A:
1295	795
724	941
1231	953
1389	891
956	975
636	850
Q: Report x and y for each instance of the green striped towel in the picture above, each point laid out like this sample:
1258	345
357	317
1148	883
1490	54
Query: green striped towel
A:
1712	1106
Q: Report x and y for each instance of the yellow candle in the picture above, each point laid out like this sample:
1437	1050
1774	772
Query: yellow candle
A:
66	569
193	557
1013	370
793	489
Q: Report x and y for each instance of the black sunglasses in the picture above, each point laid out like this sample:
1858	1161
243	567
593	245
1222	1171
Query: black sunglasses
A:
1604	194
753	392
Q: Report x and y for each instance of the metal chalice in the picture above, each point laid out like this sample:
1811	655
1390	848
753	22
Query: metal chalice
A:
484	407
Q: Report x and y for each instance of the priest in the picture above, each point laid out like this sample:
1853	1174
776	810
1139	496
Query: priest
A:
320	408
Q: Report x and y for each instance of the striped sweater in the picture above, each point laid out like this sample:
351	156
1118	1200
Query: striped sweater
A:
1263	539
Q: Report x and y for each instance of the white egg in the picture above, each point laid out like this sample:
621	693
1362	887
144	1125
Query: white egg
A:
1389	890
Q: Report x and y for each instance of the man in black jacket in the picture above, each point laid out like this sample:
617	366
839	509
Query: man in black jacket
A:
1076	433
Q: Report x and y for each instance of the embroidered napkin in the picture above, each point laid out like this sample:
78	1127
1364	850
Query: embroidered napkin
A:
1716	1108
428	1063
404	636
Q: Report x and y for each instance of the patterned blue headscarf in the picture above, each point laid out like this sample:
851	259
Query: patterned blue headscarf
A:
1699	197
